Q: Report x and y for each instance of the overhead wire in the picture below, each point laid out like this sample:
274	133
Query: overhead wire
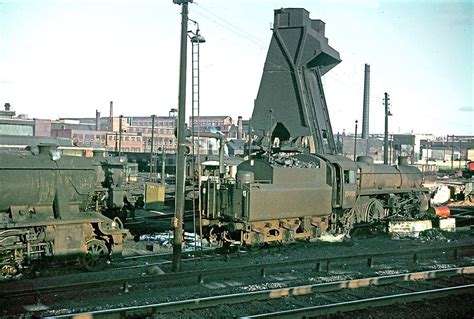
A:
209	15
237	31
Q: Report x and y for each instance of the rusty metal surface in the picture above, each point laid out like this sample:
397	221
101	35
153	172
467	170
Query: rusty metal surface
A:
51	205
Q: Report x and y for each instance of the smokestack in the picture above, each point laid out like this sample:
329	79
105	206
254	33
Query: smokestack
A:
97	120
111	109
7	106
239	128
365	112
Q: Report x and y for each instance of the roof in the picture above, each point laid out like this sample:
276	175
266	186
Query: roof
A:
33	140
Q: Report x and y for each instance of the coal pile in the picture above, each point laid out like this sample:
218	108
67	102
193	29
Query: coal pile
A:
282	160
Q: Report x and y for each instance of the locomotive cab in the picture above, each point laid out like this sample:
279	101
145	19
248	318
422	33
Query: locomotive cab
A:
344	174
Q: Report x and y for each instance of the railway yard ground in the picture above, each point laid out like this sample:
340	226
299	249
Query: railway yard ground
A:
298	277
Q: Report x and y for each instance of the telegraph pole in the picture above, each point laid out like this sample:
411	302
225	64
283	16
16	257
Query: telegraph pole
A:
385	137
452	153
120	135
460	152
152	143
163	165
181	160
355	141
249	139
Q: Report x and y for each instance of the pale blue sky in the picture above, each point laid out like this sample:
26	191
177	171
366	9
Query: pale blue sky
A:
71	57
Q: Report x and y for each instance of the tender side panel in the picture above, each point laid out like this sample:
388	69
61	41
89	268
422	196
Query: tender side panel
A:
288	201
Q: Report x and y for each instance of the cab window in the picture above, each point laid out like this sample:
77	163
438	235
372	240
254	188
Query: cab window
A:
349	177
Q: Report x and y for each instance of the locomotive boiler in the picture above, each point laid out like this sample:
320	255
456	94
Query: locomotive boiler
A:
303	195
51	206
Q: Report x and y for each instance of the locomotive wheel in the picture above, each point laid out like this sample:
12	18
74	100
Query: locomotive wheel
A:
374	211
96	257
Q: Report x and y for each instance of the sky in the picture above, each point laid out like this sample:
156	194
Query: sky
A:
67	58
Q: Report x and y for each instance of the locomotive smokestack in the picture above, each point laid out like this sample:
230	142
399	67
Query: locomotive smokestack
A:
111	109
97	120
403	161
365	112
239	128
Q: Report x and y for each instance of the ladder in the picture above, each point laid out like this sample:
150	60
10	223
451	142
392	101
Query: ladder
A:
196	128
195	84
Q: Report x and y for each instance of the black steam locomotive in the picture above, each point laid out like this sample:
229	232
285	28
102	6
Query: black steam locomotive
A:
52	205
304	195
305	189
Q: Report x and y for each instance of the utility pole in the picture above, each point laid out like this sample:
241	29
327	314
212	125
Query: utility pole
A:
355	140
460	152
181	160
163	165
249	138
452	154
385	137
120	135
151	147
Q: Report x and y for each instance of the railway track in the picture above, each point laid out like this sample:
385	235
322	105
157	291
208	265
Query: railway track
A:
253	302
29	291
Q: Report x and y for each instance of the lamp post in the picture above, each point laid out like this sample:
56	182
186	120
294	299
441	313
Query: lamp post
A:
355	140
196	38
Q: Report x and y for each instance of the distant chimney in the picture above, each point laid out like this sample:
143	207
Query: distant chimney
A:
365	111
239	128
97	120
7	106
111	109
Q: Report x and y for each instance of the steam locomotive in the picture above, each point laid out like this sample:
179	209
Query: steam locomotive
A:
295	196
52	205
300	188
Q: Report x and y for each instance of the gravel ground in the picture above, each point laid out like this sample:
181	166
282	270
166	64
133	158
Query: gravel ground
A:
149	293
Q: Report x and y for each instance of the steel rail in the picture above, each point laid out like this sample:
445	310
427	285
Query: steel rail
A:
206	302
361	304
200	275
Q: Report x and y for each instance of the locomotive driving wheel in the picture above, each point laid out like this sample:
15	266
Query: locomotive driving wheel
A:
96	257
374	211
